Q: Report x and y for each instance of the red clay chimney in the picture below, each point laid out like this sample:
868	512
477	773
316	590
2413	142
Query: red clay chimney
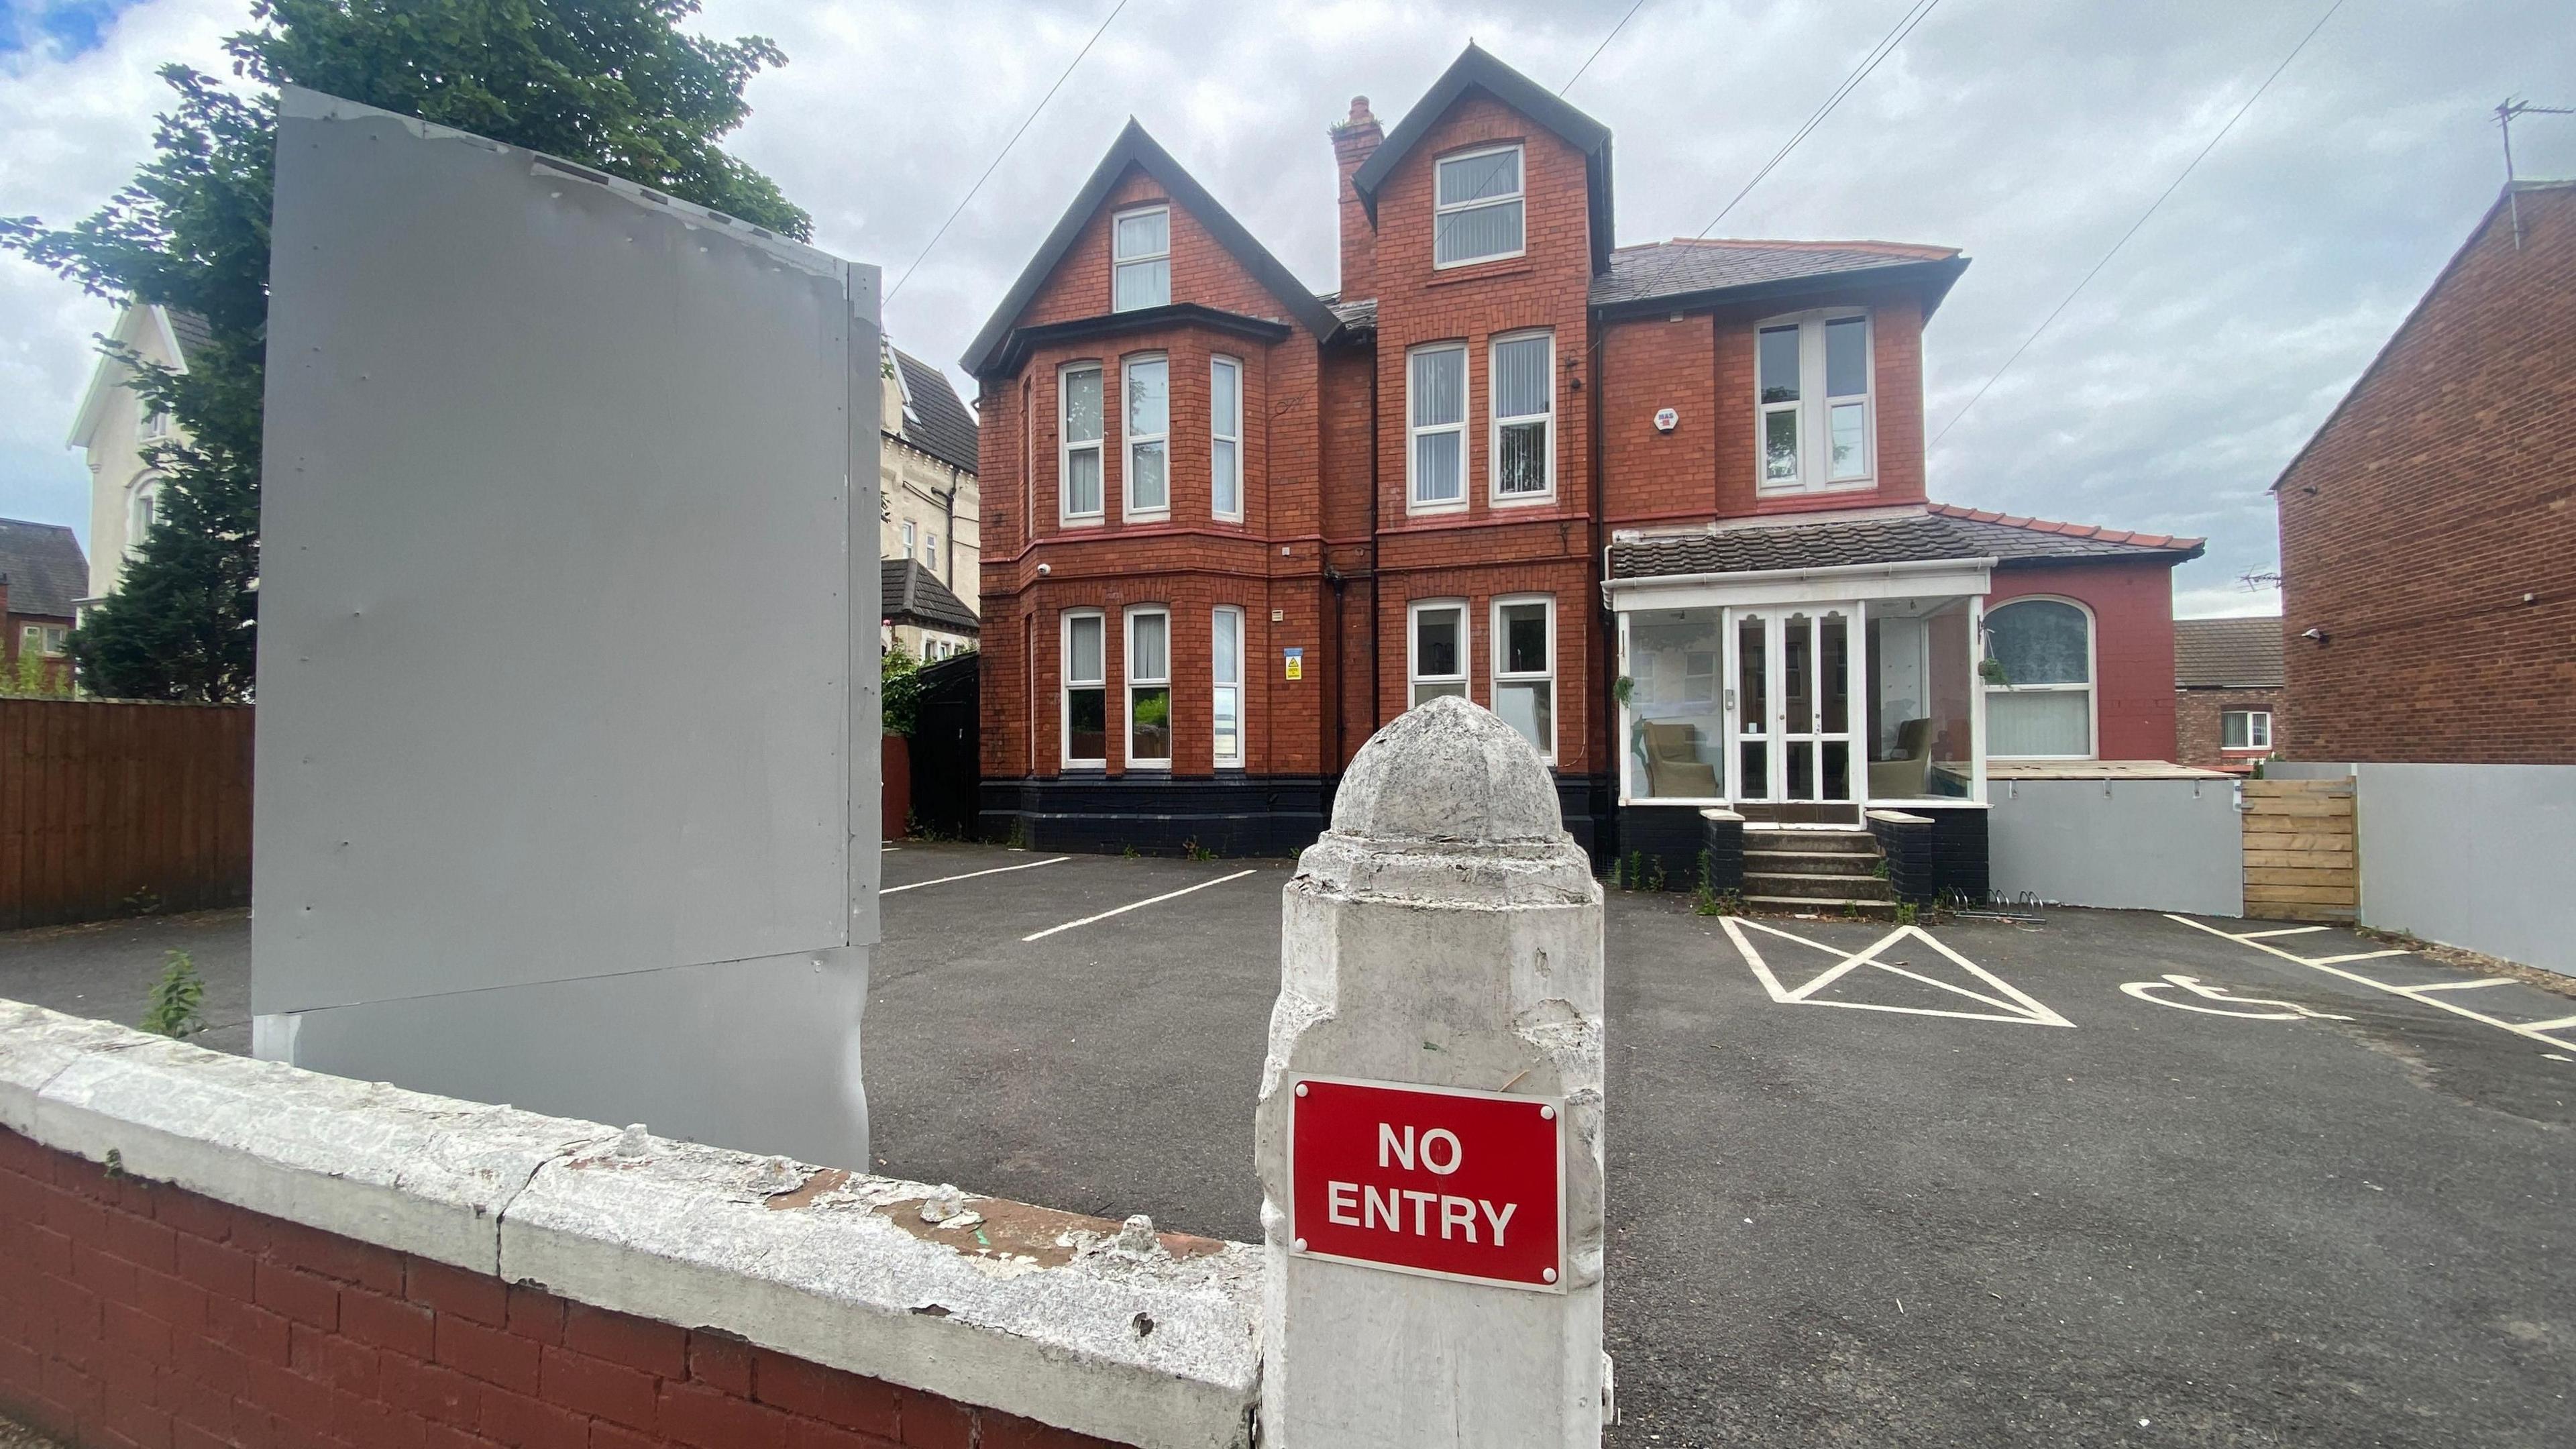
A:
1354	141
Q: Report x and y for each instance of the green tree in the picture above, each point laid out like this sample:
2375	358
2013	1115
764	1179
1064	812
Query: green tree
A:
612	84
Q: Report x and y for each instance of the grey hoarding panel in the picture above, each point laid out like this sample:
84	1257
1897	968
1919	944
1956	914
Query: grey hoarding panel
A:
2155	845
2476	856
568	595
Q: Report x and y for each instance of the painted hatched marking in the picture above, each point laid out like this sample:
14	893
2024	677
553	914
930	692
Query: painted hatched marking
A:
2007	1003
2535	1030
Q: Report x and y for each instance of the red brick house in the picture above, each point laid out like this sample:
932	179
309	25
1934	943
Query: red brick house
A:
1662	507
42	576
2227	693
2428	530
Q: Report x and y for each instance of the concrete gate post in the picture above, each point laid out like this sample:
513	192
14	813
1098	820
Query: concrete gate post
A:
1439	1002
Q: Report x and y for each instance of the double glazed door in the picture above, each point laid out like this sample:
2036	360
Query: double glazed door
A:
1790	716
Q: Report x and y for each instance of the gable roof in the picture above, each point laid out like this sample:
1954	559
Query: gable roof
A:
181	334
914	595
2503	202
44	566
935	419
1936	533
1689	270
2228	653
1135	148
1475	69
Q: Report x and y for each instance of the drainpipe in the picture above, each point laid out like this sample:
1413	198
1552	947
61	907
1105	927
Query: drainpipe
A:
1376	618
1605	630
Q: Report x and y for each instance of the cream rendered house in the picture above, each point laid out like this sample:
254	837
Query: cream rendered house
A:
932	505
112	429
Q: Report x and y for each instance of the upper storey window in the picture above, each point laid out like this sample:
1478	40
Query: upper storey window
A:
1813	375
1142	259
1478	213
1078	455
1436	407
1148	387
1524	451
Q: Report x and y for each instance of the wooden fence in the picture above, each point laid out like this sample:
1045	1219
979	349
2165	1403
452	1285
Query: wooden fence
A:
113	809
2301	860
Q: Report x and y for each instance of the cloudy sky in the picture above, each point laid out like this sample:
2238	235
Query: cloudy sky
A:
2029	132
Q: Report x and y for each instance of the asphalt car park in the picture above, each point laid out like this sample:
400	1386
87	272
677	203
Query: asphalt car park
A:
2113	1178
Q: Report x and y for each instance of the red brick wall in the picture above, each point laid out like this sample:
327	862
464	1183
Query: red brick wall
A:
2427	508
2198	730
2133	666
141	1316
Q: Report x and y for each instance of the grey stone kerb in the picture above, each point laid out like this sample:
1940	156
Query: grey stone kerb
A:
1446	932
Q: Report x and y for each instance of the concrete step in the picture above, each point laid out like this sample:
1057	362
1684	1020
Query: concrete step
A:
1852	842
1811	862
1821	887
1820	906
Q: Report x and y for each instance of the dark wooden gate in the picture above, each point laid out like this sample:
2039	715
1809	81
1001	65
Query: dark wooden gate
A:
947	747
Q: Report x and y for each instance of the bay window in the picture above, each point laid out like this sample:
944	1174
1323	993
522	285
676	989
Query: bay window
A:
1436	651
1086	691
1225	674
1078	455
1523	370
1225	438
1149	689
1142	259
1812	381
1524	644
1436	426
1147	387
2039	680
1478	214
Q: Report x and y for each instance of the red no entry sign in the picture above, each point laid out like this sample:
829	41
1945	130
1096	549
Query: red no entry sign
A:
1428	1180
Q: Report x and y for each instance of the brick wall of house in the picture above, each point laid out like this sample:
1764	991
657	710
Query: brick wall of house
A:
2436	499
141	1316
2133	671
2198	732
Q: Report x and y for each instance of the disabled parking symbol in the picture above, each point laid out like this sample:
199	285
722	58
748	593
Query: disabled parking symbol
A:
2249	1008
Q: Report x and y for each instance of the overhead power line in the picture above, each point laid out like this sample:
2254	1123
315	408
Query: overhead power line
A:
1604	45
1006	149
2142	219
1920	11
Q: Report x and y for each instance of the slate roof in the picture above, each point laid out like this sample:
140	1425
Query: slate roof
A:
190	329
1661	272
1938	532
2227	653
914	595
939	423
1359	316
46	570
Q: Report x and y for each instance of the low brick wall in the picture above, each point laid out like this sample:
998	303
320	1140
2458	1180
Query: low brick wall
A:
476	1276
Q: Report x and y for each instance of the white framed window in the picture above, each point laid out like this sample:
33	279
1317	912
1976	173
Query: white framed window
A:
1145	384
2245	729
1522	373
1086	690
142	510
930	551
1078	429
1478	214
1435	392
1149	689
1225	438
1141	259
1524	644
1225	675
911	538
2039	680
1812	385
1435	652
156	425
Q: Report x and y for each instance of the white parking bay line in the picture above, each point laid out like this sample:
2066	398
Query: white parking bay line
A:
1135	906
970	875
2462	985
2531	1029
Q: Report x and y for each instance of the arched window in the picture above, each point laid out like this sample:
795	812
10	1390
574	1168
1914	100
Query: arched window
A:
142	509
2039	680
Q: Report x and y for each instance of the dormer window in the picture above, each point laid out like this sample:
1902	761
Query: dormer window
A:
1812	375
1477	215
1141	259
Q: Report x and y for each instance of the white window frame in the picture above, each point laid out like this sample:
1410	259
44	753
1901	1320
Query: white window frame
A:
1224	364
1118	263
2251	745
1131	683
911	537
1413	499
930	551
146	493
2092	685
1414	678
156	424
1223	618
1440	209
1066	684
1495	422
1065	447
1815	409
1500	674
1129	439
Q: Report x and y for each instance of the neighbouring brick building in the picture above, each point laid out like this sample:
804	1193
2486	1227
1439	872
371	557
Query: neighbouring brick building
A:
1662	507
2428	530
42	574
2227	693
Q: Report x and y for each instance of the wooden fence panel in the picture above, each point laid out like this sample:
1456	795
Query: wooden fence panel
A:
112	808
2301	860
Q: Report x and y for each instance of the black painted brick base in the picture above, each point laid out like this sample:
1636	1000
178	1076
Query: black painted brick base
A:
1259	815
1948	853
